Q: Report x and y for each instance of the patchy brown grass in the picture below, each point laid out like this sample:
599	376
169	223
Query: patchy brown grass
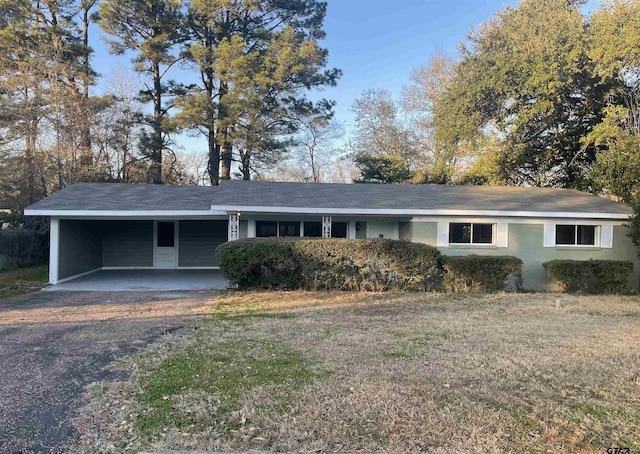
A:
23	280
385	372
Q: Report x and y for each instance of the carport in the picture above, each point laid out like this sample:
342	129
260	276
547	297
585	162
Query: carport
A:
83	246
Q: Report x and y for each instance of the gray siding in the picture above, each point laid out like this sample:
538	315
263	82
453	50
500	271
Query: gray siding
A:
127	244
80	247
198	241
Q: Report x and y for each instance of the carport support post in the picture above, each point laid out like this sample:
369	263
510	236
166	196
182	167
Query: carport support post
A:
326	226
234	226
54	250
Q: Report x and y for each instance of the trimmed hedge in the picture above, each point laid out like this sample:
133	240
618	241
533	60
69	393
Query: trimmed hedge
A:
590	276
330	263
481	273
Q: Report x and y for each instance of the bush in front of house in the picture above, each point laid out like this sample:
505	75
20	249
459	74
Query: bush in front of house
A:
481	274
590	276
376	264
23	247
330	263
259	263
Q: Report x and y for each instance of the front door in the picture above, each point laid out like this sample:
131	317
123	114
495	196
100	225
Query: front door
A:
166	245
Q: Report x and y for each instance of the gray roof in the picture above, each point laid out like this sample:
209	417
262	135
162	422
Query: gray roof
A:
126	197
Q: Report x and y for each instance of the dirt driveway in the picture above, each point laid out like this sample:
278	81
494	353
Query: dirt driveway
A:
53	344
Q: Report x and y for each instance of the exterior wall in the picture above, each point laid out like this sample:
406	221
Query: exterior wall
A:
127	244
244	229
526	242
389	229
197	242
80	248
422	232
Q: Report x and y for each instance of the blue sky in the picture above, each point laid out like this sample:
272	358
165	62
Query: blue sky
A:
377	44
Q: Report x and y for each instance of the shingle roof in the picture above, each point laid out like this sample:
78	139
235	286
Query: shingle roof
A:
119	197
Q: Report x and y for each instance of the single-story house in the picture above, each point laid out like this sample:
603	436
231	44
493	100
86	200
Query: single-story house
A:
126	226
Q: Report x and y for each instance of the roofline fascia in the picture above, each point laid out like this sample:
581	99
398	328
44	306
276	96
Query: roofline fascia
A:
223	210
416	212
122	213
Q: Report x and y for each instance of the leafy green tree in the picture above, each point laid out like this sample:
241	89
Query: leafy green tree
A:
429	86
615	49
256	58
152	30
527	76
384	148
383	169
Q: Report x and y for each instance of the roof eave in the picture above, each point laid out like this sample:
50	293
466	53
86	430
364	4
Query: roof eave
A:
121	213
417	212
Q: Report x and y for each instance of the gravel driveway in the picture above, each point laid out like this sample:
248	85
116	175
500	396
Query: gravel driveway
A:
53	344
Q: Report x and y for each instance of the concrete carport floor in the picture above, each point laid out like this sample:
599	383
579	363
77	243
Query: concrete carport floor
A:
144	280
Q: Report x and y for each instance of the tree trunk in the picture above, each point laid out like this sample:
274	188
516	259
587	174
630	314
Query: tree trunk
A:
227	152
214	158
156	139
246	165
30	161
223	133
213	147
86	155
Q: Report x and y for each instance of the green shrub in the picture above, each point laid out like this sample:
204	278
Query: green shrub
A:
332	263
590	276
23	247
259	262
6	263
481	274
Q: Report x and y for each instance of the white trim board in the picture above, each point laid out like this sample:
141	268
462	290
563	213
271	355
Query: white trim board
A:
54	250
534	221
115	214
223	210
417	212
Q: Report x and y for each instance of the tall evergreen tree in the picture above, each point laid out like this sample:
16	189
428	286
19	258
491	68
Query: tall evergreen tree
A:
256	57
152	30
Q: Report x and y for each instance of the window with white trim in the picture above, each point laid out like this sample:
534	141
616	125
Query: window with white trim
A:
576	235
471	233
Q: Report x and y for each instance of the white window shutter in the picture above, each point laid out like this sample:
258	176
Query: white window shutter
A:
443	234
607	237
502	238
549	234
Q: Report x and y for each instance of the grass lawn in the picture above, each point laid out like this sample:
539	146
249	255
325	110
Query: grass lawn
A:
23	280
382	372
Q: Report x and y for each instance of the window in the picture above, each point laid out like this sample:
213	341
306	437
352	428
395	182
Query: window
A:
469	233
313	229
338	230
166	234
289	228
292	228
266	228
575	235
